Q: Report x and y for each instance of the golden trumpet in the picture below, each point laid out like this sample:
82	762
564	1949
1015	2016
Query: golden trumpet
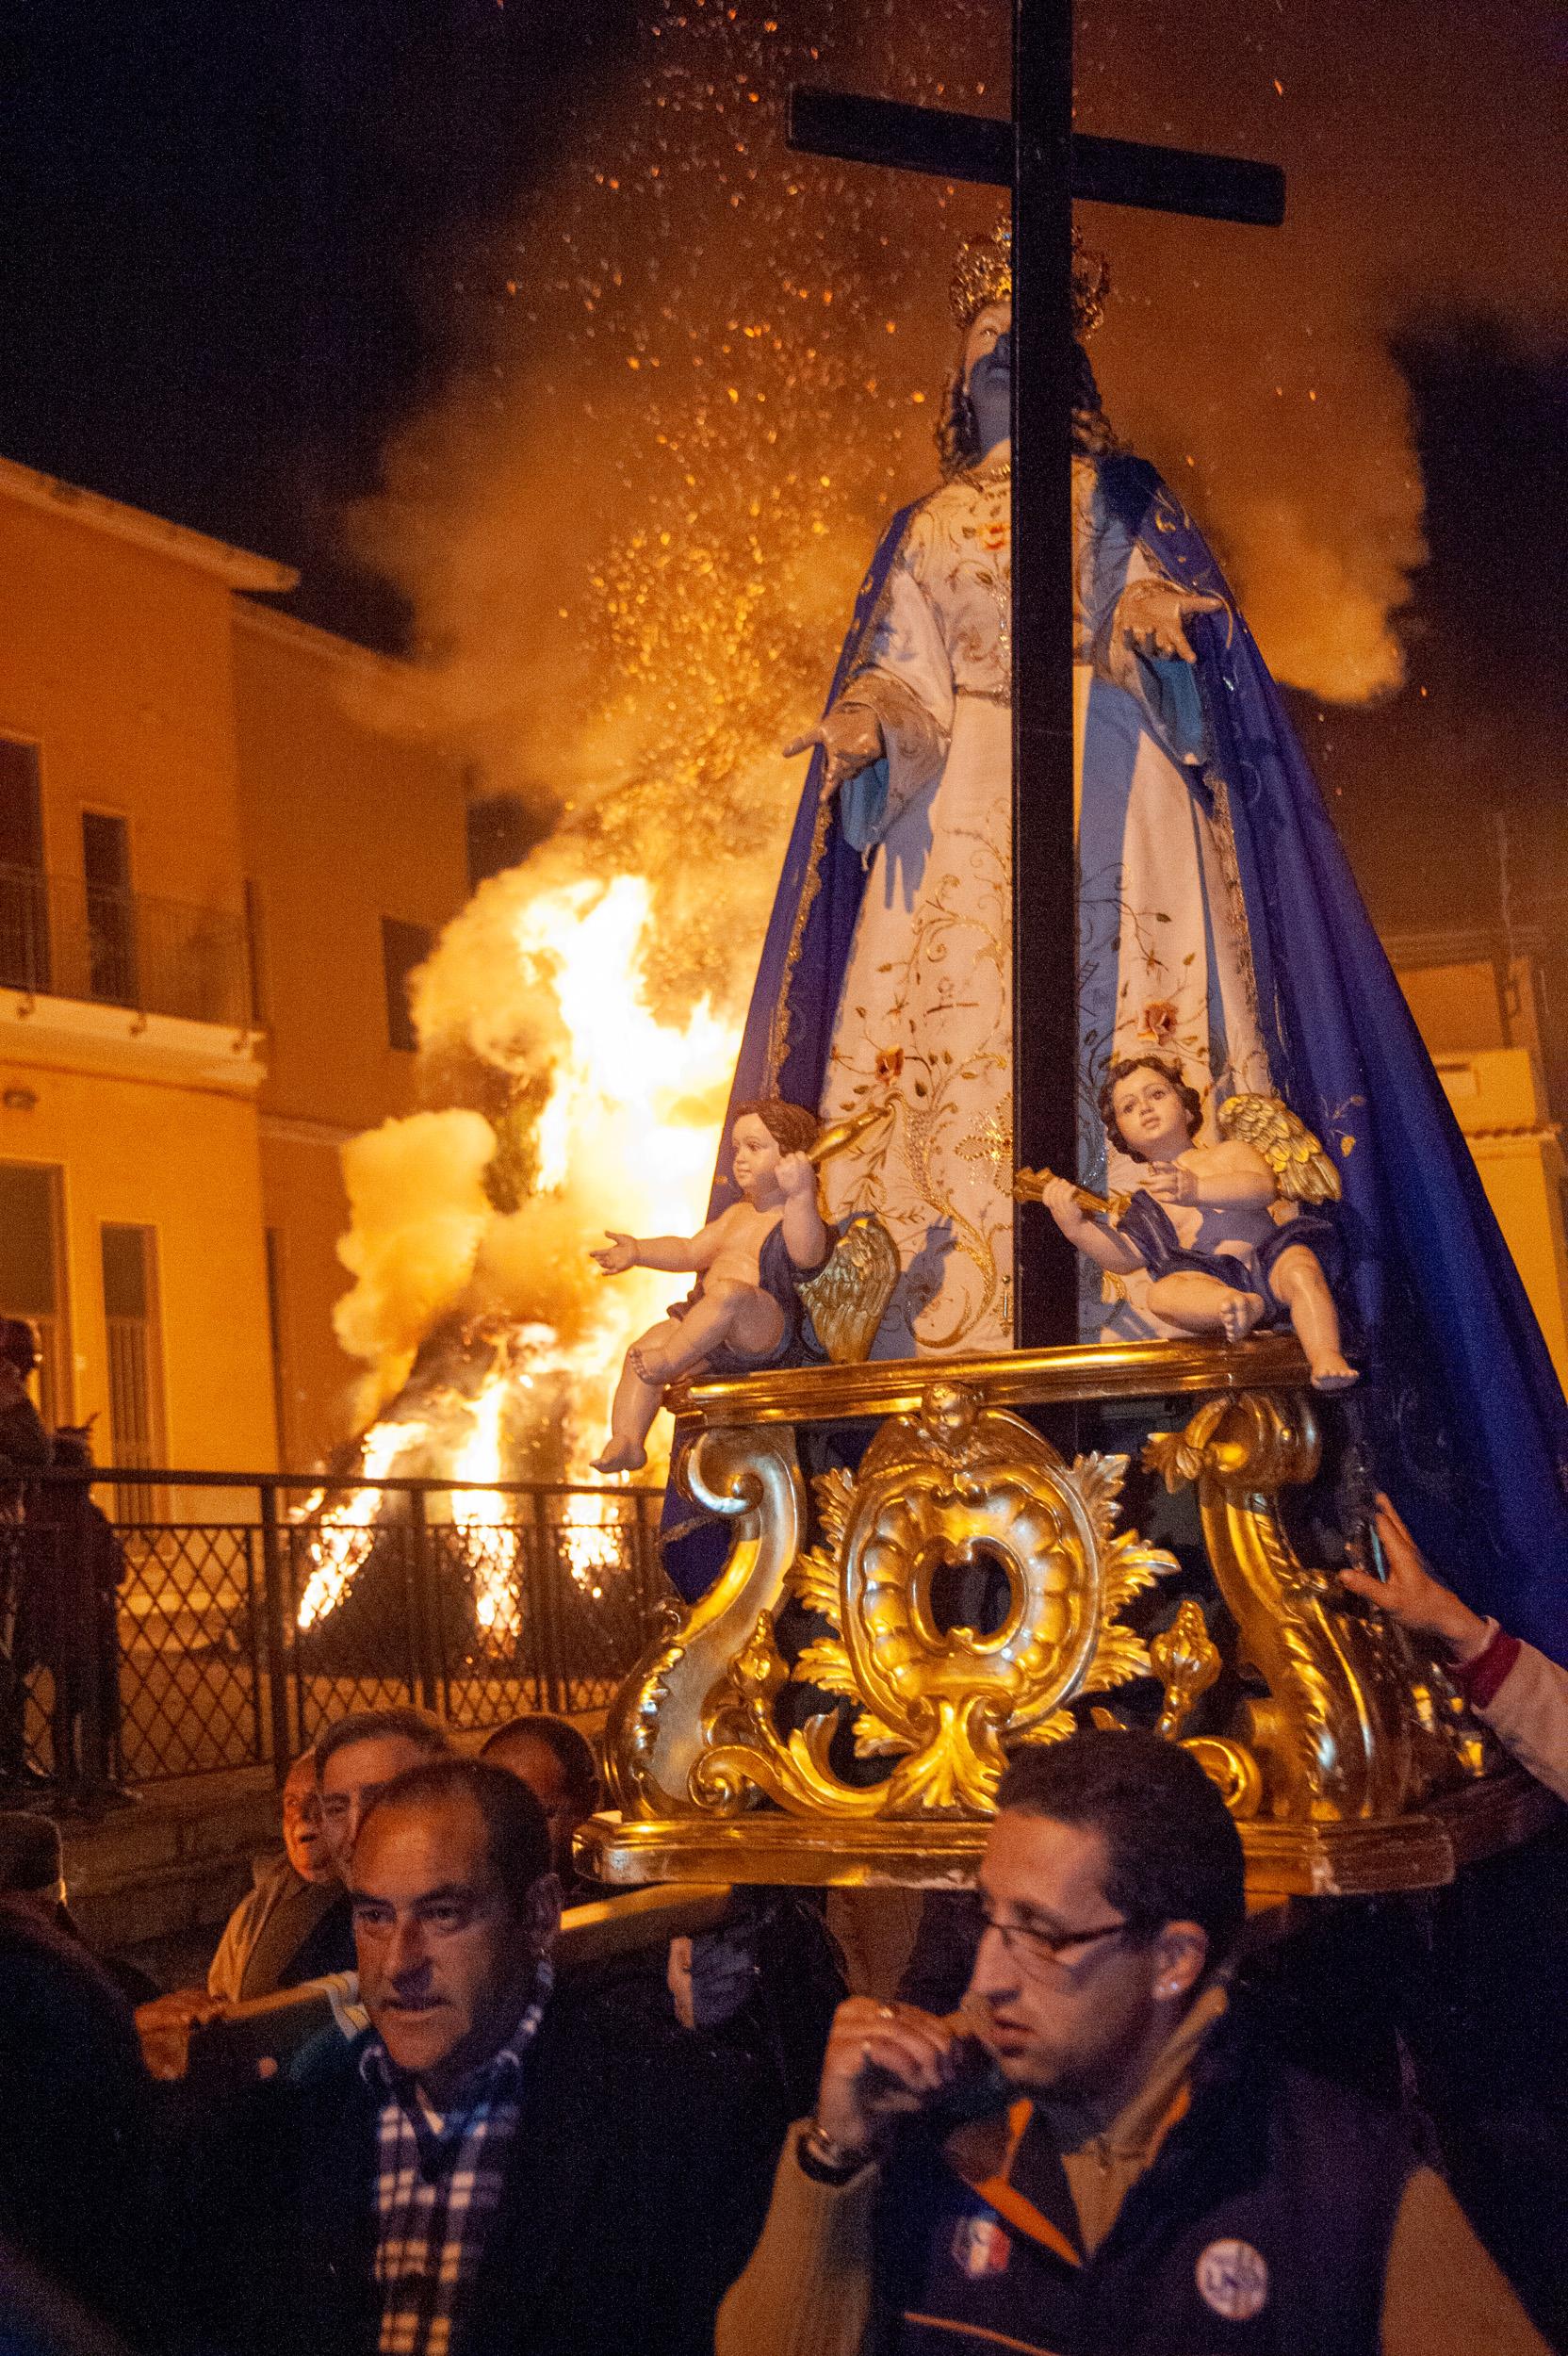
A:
1029	1187
846	1132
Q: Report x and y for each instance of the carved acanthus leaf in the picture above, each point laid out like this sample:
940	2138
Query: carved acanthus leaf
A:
835	1497
826	1663
1099	1481
1132	1566
875	1738
813	1579
1056	1728
1119	1657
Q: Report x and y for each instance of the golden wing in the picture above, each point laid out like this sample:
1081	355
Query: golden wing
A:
1302	1171
847	1299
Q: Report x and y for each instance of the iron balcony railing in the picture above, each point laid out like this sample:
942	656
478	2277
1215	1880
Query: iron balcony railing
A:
233	1640
63	938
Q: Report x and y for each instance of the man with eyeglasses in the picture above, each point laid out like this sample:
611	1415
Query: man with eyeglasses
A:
1098	2156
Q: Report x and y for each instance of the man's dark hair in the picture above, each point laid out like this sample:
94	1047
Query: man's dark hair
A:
1175	1855
31	1855
375	1726
517	1833
18	1345
572	1749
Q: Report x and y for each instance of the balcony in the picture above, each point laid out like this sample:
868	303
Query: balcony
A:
62	938
115	981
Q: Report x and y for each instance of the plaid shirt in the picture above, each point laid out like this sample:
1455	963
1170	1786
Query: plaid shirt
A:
435	2194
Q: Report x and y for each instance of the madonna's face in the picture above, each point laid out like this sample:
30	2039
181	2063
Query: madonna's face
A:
987	366
989	340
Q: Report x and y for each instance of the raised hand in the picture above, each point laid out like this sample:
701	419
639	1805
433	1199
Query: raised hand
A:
795	1175
1151	618
850	735
1414	1597
617	1256
882	2062
1168	1182
1060	1197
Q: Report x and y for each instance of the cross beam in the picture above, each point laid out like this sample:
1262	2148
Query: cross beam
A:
979	148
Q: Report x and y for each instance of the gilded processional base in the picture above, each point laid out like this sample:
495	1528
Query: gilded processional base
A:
840	1706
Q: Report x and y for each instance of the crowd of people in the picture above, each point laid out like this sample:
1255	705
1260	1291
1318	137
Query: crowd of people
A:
407	2116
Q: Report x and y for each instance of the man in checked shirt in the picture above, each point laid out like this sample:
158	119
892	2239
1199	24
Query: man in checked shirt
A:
498	2165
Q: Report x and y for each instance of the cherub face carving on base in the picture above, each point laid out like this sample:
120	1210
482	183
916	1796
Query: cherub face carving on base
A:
1215	1231
743	1309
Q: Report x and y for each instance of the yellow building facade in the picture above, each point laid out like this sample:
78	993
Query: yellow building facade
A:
206	812
353	841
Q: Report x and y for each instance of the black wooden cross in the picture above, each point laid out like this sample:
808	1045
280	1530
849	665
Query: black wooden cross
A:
1046	164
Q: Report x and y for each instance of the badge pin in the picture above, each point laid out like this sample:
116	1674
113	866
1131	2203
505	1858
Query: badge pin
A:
1233	2280
981	2246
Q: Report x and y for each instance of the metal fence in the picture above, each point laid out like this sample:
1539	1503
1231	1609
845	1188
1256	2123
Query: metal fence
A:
233	1640
63	938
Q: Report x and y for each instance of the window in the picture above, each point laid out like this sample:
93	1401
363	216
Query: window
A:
32	1280
136	1357
24	903
110	910
402	948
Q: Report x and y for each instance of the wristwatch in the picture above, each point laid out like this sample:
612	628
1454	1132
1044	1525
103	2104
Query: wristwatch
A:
826	2160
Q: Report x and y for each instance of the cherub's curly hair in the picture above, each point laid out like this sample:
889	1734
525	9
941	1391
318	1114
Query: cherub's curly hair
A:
1192	1102
794	1128
957	439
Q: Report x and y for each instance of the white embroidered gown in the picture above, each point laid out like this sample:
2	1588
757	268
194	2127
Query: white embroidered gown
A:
927	1005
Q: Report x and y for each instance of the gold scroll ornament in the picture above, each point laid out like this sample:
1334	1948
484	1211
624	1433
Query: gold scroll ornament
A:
968	1593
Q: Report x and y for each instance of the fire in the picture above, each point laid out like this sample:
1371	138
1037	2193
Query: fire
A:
341	1541
484	1516
630	1128
547	985
624	1138
591	1542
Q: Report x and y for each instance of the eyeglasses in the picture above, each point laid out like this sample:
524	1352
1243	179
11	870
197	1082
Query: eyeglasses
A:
1043	1952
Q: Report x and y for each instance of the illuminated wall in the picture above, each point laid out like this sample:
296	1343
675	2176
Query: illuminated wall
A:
349	816
117	699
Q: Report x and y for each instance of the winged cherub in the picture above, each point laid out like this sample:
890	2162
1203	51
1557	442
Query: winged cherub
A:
744	1310
1216	1226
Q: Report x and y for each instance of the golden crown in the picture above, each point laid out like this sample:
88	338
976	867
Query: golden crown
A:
984	273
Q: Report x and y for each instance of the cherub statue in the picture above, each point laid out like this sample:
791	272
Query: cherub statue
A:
744	1309
1217	1227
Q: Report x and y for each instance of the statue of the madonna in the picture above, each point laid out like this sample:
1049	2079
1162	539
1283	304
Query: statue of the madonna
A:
917	745
1219	929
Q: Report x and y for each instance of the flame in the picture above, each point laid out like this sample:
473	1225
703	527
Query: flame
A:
549	985
341	1541
593	1542
484	1518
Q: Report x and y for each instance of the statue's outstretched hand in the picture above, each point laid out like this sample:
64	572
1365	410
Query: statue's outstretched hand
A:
619	1254
1151	617
1168	1182
1411	1595
795	1175
850	735
1060	1197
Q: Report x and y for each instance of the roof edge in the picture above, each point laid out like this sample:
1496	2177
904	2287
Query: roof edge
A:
237	569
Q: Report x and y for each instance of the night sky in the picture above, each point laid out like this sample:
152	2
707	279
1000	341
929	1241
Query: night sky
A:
249	251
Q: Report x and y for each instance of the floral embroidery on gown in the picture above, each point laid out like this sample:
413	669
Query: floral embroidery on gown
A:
925	1009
